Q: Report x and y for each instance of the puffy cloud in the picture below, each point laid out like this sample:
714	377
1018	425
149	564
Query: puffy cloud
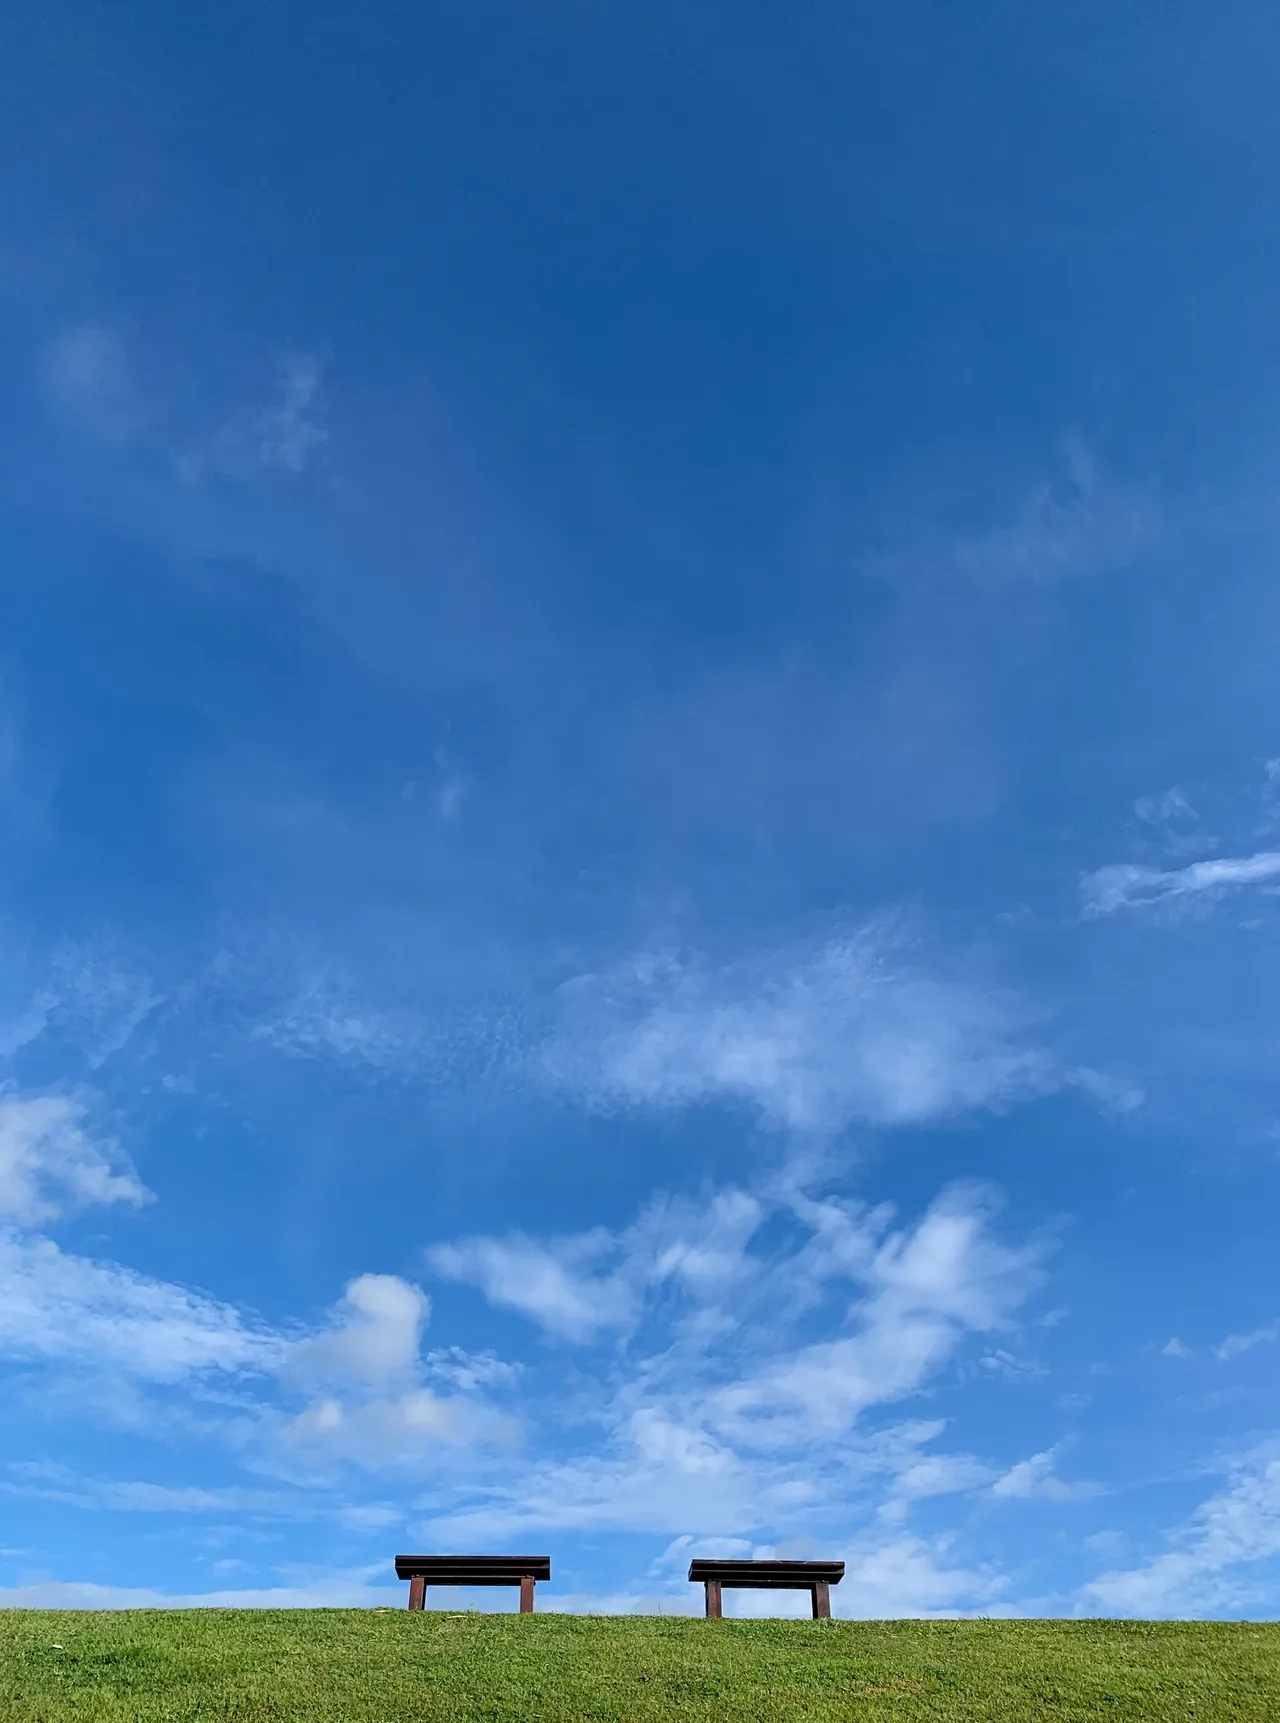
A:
576	1287
49	1162
377	1334
398	1430
551	1284
68	1311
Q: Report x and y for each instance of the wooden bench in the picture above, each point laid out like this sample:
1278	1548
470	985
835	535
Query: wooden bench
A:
424	1570
815	1577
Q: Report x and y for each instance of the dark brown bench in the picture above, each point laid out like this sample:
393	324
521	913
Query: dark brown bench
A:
424	1570
815	1577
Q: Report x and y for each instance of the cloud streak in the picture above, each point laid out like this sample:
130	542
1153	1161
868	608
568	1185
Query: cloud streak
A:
814	1039
1213	1567
1128	885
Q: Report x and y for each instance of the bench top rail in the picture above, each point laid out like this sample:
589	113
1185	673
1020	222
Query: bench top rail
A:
768	1575
473	1569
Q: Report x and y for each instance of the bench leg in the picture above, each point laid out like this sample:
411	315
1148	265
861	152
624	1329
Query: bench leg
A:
417	1592
526	1595
822	1601
714	1603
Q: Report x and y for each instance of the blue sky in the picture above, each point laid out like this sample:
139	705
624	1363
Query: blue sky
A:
640	789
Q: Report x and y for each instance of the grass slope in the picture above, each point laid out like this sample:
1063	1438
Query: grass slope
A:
275	1666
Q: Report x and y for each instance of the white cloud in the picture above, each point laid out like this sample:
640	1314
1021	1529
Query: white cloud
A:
371	1346
1035	1478
354	1589
926	1288
399	1430
1235	1344
1211	1569
1130	886
98	1315
50	1163
576	1287
470	1370
815	1038
377	1334
1172	821
548	1283
103	1321
908	1577
131	1496
757	1430
934	1475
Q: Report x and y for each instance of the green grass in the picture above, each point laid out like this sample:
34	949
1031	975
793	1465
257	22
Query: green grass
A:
275	1666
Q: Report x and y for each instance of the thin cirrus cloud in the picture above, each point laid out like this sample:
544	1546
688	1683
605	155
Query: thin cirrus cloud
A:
284	436
1127	885
93	1315
814	1038
1214	1566
89	377
1081	526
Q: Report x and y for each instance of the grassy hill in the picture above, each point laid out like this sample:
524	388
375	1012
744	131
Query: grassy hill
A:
260	1666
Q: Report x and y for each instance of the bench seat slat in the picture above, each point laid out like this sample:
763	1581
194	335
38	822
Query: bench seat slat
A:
767	1575
473	1569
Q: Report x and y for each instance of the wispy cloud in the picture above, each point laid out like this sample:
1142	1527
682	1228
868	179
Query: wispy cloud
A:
89	380
1235	1344
102	1316
50	1162
357	1588
1036	1478
1212	1568
578	1286
720	1417
86	998
287	435
813	1037
1080	525
290	432
1130	886
1170	819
